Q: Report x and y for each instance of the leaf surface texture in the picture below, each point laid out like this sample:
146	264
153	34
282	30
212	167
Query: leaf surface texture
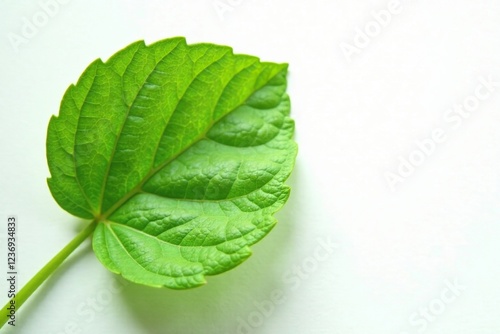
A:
180	152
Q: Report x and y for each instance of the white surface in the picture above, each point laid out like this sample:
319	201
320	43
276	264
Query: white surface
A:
397	251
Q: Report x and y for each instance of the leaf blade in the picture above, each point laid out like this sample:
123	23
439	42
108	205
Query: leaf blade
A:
188	166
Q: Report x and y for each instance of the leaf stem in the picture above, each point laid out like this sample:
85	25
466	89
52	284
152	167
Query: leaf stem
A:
45	272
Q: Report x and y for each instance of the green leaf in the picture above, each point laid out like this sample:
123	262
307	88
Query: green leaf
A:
179	153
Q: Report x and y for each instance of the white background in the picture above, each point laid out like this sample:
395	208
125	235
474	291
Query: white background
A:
397	250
